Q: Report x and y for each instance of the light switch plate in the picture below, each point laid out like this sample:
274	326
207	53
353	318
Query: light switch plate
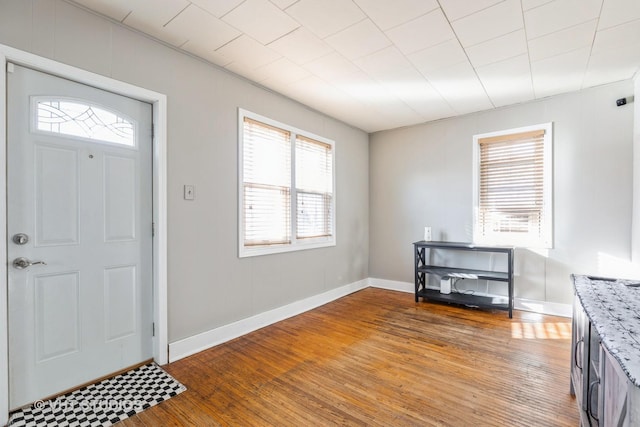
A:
189	192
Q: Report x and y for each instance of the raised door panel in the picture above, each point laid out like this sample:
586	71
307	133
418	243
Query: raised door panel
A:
120	198
120	301
57	300
56	196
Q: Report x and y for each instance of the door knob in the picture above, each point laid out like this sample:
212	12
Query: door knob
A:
22	263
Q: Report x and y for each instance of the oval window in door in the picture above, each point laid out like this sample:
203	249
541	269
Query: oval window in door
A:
79	119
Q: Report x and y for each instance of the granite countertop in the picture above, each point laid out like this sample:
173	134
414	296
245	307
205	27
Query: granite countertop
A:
614	310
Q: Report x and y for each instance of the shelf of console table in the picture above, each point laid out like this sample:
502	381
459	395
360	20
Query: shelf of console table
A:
422	269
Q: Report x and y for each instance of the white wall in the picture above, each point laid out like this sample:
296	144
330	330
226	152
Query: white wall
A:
422	175
209	286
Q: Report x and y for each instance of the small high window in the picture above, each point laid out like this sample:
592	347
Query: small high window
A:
78	119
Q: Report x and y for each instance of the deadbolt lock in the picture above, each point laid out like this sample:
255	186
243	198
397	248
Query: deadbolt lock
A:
20	239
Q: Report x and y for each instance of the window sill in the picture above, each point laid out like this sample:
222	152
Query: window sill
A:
246	252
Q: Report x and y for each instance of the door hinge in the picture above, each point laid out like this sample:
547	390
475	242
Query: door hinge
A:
153	229
153	132
153	329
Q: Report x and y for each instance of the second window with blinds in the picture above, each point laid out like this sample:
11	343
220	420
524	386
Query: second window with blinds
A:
513	187
286	188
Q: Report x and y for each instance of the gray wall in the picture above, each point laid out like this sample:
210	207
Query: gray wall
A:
209	285
636	174
422	176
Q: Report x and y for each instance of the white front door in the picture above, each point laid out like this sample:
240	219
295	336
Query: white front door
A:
79	213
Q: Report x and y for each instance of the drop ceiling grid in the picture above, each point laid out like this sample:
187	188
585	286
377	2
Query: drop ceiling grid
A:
379	64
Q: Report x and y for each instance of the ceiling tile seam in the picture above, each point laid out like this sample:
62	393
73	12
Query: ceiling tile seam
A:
339	31
234	8
179	13
475	72
284	35
415	18
494	38
232	40
526	40
593	41
478	11
563	29
614	26
571	26
505	59
126	16
536	7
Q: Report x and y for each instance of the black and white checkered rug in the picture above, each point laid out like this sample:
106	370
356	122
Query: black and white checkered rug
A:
104	403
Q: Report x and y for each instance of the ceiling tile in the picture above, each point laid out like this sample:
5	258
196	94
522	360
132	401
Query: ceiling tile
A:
246	70
359	40
283	4
456	9
204	51
325	17
284	71
613	65
217	8
560	73
507	82
616	37
147	17
439	56
380	63
408	85
330	66
618	12
359	86
387	14
261	20
563	41
200	26
250	53
114	9
498	49
495	21
530	4
421	33
558	15
301	46
460	87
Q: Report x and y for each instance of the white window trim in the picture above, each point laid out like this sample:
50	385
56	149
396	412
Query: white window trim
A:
296	244
547	239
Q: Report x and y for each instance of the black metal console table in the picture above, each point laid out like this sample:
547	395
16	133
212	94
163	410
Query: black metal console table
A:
422	268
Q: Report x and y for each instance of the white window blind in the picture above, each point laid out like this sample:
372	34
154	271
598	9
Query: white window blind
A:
314	188
514	188
286	192
267	184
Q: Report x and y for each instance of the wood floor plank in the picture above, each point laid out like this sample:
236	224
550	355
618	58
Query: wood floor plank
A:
378	358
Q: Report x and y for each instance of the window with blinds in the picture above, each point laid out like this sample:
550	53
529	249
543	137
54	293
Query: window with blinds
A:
286	199
513	190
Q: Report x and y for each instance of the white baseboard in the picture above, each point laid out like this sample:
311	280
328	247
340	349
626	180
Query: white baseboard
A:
392	285
194	344
542	307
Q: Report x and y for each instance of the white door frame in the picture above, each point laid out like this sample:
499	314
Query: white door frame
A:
159	101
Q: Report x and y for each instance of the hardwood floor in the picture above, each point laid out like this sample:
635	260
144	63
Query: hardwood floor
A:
377	358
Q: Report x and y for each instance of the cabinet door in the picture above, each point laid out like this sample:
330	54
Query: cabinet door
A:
579	353
614	395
